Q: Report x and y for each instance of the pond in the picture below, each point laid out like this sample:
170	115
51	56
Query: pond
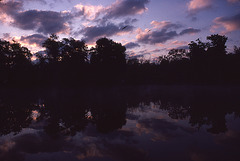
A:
147	123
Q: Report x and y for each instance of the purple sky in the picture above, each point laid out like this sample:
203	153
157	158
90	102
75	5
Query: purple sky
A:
146	27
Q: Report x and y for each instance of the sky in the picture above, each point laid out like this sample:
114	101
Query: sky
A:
147	28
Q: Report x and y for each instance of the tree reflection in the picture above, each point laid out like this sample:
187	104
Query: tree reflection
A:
66	113
206	107
72	114
109	116
15	114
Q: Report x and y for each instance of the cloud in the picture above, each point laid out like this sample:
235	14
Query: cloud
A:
35	39
88	146
165	25
139	54
131	45
179	45
147	54
233	1
189	31
195	6
156	36
7	36
128	21
9	8
118	9
162	32
90	12
92	33
123	8
157	50
133	55
40	1
162	36
229	24
45	22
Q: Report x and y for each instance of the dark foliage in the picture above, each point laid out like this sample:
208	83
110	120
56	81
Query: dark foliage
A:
15	63
68	62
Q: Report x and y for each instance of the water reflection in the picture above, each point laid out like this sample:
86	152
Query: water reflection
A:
144	123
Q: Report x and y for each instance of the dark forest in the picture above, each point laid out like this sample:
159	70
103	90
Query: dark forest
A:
69	63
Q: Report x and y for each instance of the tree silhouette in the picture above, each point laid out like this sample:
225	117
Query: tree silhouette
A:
208	59
177	54
70	62
13	54
197	50
108	59
108	52
217	45
4	52
52	46
15	63
74	51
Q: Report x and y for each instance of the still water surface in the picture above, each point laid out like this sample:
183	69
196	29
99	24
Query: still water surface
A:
121	124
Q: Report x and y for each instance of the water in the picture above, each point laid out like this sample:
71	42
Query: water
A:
121	124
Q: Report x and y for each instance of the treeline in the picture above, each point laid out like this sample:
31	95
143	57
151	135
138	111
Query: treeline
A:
204	63
69	62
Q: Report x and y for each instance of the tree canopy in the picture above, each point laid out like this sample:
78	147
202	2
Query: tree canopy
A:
70	62
108	52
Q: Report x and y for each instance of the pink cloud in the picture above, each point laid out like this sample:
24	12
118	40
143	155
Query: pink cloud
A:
90	12
118	9
179	43
197	5
164	24
8	8
228	23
